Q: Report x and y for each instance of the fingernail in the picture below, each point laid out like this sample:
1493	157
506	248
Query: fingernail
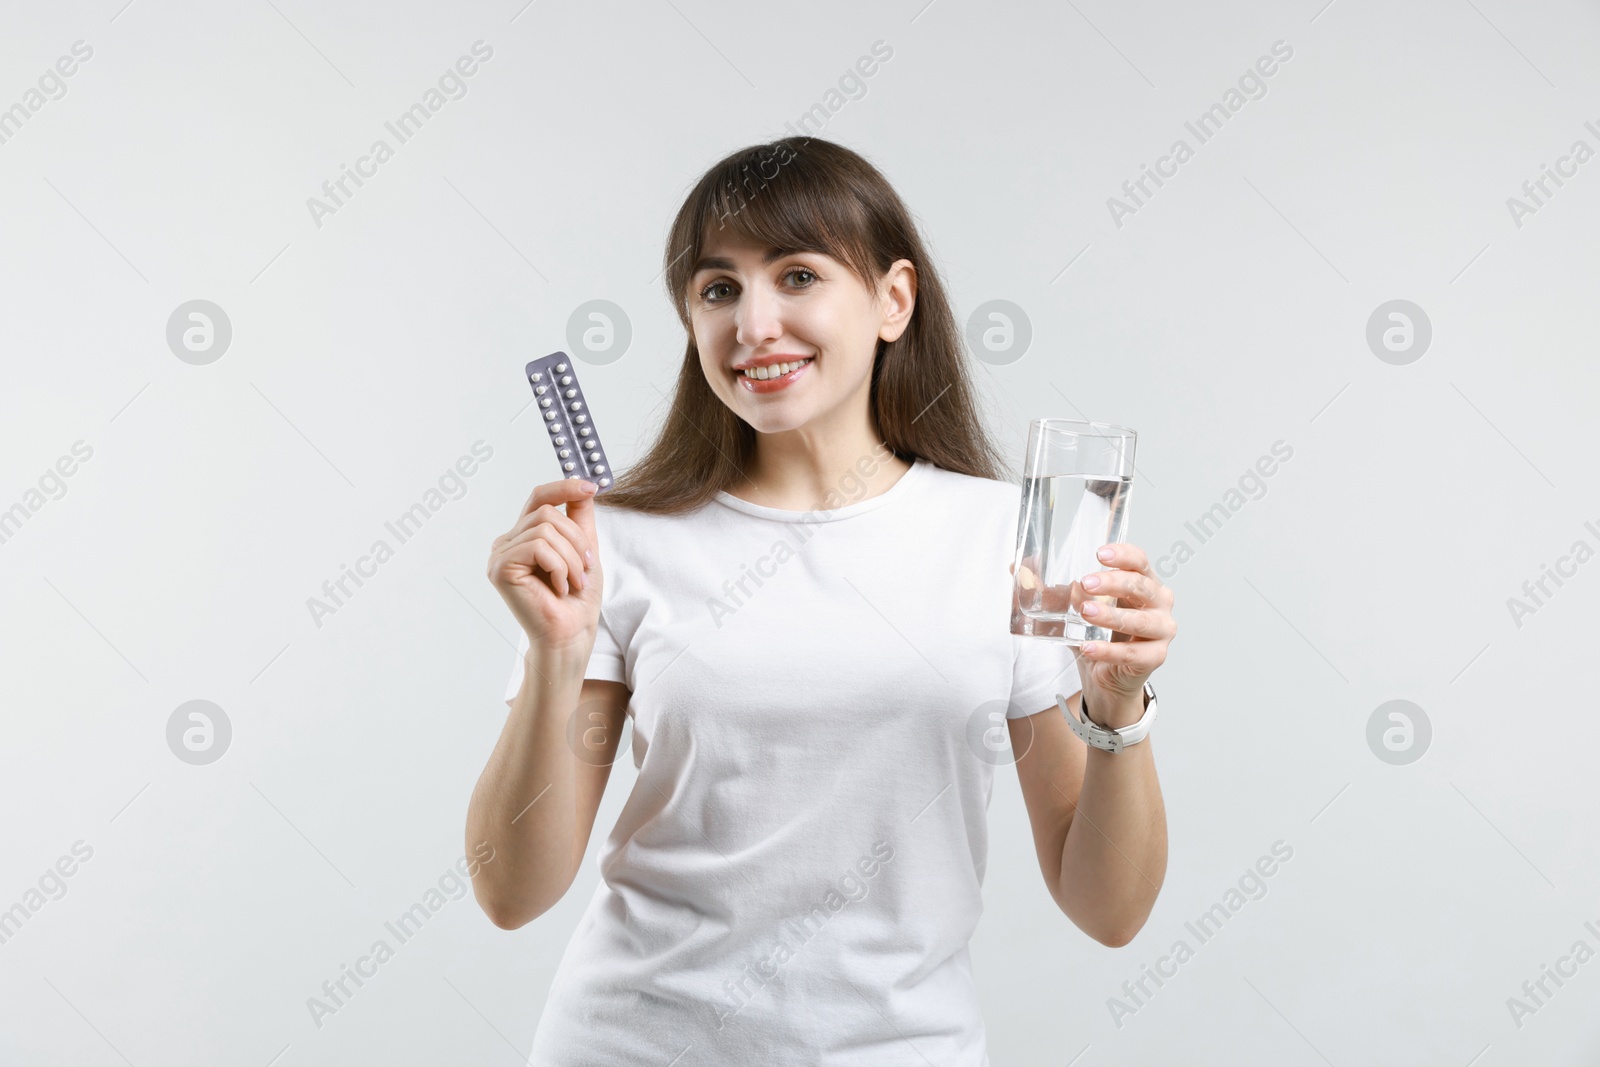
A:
1091	582
1091	609
589	486
1106	553
588	557
1090	648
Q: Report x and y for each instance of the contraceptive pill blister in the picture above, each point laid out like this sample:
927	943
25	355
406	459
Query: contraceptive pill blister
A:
567	419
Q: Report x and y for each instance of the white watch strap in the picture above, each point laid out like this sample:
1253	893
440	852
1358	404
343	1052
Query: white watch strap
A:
1108	739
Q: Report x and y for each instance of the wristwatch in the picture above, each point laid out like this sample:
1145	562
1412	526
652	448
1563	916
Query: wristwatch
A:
1103	737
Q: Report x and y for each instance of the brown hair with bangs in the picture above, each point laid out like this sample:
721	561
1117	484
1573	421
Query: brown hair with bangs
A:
807	194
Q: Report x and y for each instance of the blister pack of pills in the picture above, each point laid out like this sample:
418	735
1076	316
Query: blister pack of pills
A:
568	420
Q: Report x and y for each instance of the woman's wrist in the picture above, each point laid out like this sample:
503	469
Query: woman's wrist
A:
551	663
1113	711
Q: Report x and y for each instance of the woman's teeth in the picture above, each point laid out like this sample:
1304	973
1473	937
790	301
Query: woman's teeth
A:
774	370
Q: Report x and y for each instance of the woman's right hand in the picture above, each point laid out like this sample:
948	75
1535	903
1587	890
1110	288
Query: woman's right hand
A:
539	566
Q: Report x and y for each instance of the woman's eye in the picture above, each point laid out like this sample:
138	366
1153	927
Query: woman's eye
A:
807	277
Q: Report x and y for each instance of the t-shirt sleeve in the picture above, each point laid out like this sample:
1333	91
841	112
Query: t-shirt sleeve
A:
606	662
1041	669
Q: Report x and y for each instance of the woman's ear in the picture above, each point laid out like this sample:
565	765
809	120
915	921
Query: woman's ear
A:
899	298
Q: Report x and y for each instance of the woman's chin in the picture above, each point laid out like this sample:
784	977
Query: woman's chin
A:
771	423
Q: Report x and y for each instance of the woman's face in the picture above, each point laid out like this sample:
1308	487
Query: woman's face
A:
752	307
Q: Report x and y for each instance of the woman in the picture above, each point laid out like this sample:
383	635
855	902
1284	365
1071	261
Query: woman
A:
800	596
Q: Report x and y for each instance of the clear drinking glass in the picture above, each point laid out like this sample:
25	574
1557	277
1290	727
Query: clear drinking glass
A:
1076	483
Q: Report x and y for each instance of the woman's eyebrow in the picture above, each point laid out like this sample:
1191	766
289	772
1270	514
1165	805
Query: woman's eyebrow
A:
723	263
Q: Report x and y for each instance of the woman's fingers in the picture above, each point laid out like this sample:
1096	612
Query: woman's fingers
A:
1047	597
561	491
556	550
1137	622
1137	589
1138	658
1126	556
545	554
581	542
1141	619
552	515
1132	589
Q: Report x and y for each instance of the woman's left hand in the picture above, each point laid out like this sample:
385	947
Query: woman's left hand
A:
1143	625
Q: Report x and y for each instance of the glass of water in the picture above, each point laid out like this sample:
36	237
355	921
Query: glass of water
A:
1076	482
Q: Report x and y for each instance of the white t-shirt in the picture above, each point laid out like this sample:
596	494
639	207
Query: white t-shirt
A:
817	703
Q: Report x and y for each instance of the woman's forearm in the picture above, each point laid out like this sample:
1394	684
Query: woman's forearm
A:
1114	858
525	801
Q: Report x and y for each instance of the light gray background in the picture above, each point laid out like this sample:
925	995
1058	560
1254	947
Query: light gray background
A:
369	353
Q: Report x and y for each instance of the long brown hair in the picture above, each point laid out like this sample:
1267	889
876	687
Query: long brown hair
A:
810	194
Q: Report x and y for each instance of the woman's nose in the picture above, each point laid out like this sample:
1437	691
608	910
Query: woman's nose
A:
758	317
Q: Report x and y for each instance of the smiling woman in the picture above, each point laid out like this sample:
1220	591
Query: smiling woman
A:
800	598
828	261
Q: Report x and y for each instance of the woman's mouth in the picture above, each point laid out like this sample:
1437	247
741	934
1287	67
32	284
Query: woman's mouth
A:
781	378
